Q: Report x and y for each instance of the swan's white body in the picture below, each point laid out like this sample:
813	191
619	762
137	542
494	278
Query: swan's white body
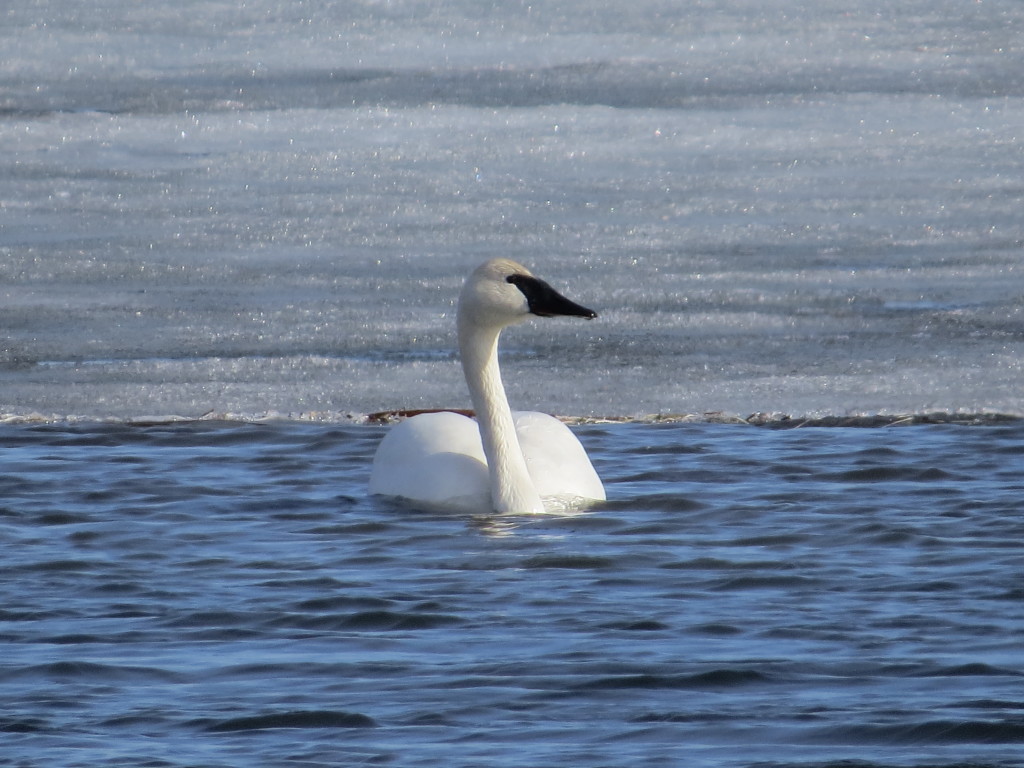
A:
503	462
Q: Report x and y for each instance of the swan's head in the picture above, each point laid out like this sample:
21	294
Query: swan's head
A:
501	292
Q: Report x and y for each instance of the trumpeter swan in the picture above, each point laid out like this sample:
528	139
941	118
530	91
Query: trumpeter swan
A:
505	462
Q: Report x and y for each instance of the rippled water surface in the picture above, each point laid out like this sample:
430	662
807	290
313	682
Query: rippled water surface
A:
223	594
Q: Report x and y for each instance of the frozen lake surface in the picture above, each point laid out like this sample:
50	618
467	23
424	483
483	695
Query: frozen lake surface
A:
809	209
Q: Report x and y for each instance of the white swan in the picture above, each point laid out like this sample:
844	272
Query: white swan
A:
505	462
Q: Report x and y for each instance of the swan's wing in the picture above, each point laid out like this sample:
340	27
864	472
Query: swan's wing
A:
555	458
433	459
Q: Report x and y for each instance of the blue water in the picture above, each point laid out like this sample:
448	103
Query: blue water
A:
226	594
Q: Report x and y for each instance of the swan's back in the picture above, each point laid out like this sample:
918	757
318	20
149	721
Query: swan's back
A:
435	460
557	462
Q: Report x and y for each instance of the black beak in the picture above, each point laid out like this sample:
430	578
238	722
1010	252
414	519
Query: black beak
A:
545	301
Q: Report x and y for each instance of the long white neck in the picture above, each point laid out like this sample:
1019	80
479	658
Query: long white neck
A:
512	489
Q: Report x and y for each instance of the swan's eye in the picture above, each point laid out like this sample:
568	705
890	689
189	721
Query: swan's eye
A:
528	285
523	283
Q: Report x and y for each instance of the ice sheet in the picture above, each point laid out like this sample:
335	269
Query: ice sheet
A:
775	207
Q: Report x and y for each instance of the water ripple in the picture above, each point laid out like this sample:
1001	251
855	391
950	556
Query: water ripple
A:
798	595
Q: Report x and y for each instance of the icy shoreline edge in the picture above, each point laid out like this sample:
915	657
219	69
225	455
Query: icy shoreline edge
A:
771	420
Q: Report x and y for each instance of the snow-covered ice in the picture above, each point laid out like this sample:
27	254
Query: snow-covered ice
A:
803	208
